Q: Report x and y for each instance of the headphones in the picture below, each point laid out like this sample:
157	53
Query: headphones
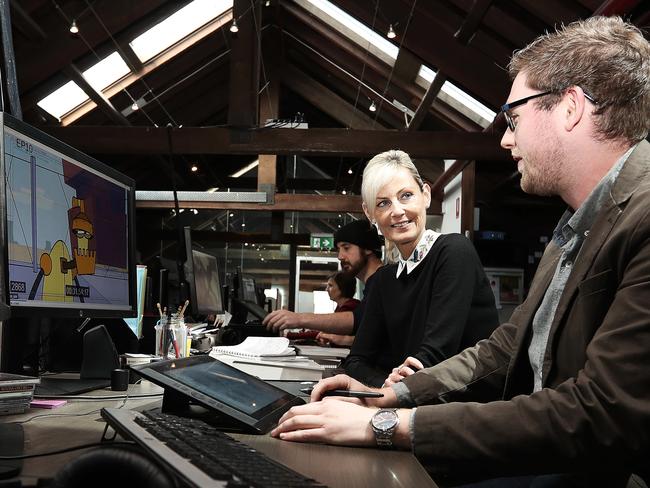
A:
108	467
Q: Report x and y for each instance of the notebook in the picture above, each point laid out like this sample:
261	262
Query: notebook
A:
258	347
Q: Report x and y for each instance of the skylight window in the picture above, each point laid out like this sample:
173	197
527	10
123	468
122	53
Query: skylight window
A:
353	29
177	26
106	72
457	98
63	99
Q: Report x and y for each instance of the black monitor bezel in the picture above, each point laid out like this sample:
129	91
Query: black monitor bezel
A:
7	120
195	306
155	372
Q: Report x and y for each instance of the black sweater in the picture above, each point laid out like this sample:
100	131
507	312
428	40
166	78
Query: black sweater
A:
443	306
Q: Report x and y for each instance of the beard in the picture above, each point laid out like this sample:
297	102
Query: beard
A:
542	167
354	269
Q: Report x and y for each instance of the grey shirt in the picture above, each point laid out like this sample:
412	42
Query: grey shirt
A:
570	233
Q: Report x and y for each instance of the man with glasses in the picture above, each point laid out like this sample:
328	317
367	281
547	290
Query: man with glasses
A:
559	396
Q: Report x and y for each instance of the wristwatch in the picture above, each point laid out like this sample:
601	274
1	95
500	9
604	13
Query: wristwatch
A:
384	423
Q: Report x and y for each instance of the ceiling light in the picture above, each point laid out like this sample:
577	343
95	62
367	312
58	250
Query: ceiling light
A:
391	32
73	27
135	106
344	192
234	27
194	168
373	107
350	171
268	3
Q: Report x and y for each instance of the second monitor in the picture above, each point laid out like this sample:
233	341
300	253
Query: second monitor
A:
202	275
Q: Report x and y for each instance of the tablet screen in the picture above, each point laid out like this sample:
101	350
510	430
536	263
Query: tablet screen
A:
222	387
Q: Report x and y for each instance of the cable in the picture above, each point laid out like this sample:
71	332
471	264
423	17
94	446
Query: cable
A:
90	48
343	70
100	397
45	415
140	78
392	69
365	58
67	449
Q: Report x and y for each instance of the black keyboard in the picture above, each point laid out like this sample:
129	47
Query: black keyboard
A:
200	454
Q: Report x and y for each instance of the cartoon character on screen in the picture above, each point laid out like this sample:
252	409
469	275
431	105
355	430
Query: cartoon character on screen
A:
81	262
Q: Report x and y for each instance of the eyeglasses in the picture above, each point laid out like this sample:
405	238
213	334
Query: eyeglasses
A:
512	125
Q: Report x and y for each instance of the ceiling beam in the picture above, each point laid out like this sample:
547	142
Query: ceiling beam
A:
428	98
325	142
351	58
472	21
26	24
98	97
326	100
245	65
616	7
283	201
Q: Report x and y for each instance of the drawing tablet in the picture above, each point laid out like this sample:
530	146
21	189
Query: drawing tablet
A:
250	402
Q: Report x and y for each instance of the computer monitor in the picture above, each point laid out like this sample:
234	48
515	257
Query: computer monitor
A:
68	233
69	228
202	275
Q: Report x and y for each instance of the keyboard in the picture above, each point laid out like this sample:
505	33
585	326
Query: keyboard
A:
201	455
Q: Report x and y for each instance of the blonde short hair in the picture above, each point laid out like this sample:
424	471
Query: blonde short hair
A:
380	170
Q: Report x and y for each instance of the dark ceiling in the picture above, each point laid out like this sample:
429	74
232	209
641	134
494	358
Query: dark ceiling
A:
307	67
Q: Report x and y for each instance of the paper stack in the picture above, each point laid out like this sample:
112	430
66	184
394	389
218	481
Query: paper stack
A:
259	347
16	392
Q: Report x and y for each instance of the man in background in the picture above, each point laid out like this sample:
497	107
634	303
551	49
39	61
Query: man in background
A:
359	251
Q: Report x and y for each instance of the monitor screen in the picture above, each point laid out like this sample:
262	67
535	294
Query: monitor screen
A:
69	229
202	275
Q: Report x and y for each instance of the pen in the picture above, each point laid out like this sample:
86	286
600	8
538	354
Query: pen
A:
346	393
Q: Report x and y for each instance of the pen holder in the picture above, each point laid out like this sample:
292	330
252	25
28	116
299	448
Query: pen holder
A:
171	337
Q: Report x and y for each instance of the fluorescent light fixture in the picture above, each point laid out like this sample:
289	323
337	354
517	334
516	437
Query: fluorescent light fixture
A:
458	98
106	72
63	99
201	196
354	30
245	169
177	26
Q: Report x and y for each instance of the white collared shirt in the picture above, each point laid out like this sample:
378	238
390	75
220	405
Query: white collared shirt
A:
423	247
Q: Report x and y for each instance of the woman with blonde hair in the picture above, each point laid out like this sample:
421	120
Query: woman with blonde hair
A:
434	301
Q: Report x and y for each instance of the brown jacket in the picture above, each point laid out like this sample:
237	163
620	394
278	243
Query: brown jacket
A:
476	411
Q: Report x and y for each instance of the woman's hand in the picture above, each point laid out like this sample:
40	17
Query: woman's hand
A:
335	339
407	368
331	421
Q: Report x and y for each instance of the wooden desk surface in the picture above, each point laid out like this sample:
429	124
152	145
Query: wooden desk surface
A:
79	422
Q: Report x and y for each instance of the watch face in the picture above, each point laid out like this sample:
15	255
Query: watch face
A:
384	420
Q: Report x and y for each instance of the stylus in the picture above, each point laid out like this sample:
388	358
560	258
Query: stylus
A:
346	393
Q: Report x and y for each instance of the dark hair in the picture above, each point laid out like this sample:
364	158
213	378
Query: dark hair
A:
346	283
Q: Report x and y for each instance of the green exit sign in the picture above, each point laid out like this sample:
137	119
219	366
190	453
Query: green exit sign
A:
322	241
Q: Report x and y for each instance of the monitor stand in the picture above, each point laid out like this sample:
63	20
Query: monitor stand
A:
99	359
12	441
178	403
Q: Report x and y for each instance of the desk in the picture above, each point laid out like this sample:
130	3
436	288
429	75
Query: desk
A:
334	466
